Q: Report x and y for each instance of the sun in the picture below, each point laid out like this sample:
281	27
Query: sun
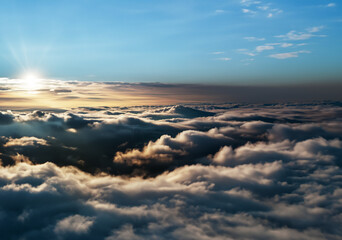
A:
31	81
31	76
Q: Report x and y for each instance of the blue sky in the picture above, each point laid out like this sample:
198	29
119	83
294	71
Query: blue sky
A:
203	41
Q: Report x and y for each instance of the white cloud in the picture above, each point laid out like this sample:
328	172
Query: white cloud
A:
245	10
296	36
249	2
264	8
246	52
293	35
217	53
224	59
252	39
285	45
260	8
315	29
249	54
331	5
219	11
287	55
263	48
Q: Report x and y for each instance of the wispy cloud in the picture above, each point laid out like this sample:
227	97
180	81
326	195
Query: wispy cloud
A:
249	2
245	10
247	61
246	52
293	35
217	53
296	36
258	7
252	39
219	11
288	54
331	5
315	29
263	48
285	45
224	59
301	44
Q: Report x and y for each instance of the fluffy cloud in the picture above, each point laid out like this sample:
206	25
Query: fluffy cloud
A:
166	150
25	141
230	171
73	224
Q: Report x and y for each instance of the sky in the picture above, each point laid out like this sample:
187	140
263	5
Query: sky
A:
192	41
166	120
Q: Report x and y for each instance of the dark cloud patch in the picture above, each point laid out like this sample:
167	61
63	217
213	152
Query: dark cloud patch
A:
303	131
38	114
70	97
76	122
6	118
61	90
189	112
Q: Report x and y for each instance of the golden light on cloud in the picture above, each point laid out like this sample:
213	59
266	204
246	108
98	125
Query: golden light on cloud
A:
32	91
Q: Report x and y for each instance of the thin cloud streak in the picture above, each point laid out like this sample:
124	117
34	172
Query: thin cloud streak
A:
288	54
67	94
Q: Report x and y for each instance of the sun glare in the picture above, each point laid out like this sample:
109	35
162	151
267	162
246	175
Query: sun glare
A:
31	81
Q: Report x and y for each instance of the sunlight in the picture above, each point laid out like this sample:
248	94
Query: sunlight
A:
31	82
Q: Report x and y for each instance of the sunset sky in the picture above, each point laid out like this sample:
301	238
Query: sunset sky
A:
170	120
194	41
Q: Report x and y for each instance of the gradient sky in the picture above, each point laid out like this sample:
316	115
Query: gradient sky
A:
203	41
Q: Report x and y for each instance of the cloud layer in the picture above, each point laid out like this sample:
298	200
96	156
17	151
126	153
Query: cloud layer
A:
230	171
16	94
